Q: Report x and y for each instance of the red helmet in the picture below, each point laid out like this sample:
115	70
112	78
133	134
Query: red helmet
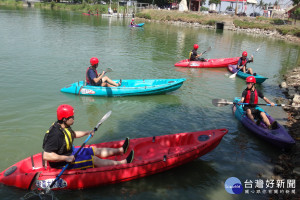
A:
132	19
94	61
250	79
245	53
64	111
196	46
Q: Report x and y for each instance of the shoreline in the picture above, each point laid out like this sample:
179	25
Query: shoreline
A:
287	165
253	31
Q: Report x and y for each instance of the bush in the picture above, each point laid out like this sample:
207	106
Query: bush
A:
143	15
278	22
211	22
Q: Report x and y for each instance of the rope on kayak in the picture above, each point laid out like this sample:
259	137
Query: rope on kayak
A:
39	194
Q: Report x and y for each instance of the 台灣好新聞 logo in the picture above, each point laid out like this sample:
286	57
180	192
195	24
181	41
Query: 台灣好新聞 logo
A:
233	186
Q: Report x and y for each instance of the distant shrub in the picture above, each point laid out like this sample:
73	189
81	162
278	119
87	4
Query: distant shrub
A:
278	22
143	15
211	22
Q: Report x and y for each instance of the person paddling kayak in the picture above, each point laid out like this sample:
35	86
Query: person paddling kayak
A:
132	23
242	63
95	79
58	149
194	56
250	95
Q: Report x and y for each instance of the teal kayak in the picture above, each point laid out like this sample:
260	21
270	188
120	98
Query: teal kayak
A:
233	69
128	88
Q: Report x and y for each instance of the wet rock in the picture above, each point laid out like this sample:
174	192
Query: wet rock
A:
296	171
296	99
278	169
283	85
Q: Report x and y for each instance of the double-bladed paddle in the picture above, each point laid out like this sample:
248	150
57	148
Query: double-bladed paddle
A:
224	102
234	75
67	165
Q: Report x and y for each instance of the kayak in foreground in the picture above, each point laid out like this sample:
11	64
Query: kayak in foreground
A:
233	69
277	136
152	155
128	87
208	63
137	25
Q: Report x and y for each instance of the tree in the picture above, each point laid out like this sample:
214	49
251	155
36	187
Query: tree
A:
261	4
296	2
297	14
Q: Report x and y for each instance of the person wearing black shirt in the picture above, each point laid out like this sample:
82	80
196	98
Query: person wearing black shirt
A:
194	56
58	145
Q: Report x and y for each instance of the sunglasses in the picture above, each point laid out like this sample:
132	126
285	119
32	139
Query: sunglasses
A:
72	117
248	83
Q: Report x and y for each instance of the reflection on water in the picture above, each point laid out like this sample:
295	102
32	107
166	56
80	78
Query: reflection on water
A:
57	53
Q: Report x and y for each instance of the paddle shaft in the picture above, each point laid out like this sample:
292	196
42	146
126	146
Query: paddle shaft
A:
67	165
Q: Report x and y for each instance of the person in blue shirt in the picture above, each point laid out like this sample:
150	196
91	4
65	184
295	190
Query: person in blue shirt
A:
95	79
242	63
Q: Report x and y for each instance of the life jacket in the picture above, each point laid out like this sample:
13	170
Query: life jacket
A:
190	55
88	81
243	62
248	97
69	136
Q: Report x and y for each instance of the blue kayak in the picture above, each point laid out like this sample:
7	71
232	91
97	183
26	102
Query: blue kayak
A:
137	25
278	136
128	87
233	69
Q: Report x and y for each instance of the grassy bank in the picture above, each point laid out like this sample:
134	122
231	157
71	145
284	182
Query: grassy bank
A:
210	19
84	7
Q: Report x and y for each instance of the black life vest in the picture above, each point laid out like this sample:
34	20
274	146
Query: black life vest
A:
69	136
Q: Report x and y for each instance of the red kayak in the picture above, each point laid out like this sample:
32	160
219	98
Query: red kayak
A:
208	63
152	155
90	14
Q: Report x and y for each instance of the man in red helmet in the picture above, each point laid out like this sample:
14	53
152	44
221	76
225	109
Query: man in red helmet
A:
250	95
95	79
194	56
58	145
242	63
132	23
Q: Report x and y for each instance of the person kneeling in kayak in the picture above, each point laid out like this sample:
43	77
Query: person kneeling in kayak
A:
242	63
194	56
250	95
58	149
95	79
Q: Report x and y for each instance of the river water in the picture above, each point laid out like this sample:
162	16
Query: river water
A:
43	51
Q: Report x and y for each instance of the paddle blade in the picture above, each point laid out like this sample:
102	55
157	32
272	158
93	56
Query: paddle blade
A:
221	102
233	75
108	70
103	119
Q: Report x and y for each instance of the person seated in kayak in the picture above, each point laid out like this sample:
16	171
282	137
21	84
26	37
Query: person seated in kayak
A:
194	56
242	63
250	95
132	23
58	149
95	79
90	12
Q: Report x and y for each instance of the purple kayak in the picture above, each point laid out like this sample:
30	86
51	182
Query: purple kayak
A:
278	136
